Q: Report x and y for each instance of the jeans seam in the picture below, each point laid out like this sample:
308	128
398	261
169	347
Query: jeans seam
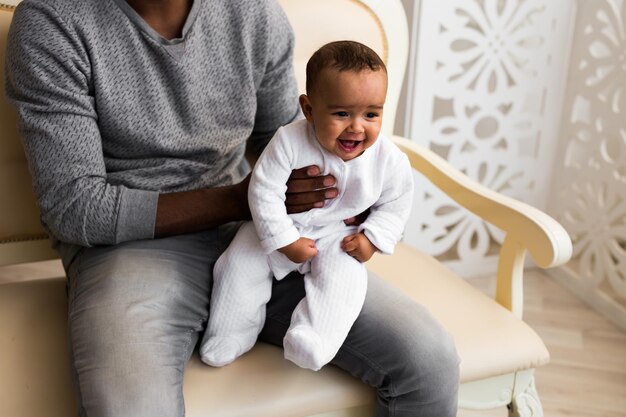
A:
73	281
71	295
190	332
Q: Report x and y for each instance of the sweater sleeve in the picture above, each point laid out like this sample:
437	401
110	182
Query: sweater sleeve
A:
277	95
266	195
48	81
385	224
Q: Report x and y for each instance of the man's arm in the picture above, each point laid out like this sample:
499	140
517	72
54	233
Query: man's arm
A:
191	211
48	80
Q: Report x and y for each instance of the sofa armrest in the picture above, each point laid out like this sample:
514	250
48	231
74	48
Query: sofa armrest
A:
526	228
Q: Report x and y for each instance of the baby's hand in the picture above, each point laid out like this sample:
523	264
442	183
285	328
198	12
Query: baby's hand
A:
358	246
300	251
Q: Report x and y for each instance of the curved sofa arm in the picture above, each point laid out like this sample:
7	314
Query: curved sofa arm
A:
545	239
526	228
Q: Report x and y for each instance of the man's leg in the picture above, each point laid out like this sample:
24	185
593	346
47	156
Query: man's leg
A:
395	345
135	312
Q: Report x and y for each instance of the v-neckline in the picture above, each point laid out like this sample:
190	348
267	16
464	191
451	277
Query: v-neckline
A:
175	47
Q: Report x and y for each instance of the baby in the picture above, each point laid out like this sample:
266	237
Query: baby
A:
346	88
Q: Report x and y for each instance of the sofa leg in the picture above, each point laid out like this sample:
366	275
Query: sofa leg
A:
526	403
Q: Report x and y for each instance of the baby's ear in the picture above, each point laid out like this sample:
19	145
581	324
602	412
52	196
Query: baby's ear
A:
307	109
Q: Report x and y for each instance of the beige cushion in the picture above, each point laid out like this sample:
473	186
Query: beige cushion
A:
34	365
489	339
312	17
35	371
20	217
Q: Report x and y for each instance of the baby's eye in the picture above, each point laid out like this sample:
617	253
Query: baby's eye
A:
341	114
371	115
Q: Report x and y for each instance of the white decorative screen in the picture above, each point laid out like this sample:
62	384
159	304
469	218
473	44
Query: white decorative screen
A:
486	85
590	188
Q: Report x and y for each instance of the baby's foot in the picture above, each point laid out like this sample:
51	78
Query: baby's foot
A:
220	351
305	348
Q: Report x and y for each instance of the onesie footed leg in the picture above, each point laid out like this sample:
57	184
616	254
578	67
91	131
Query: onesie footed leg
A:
304	347
222	350
335	290
242	285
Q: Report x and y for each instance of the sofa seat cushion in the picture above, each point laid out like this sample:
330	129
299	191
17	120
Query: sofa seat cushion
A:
263	384
35	369
35	373
490	340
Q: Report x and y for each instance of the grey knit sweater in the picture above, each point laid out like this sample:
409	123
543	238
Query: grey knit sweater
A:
111	114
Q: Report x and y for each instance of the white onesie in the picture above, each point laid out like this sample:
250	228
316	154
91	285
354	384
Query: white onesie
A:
380	179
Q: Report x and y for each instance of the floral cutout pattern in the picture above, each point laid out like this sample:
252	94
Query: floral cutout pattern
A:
591	203
481	104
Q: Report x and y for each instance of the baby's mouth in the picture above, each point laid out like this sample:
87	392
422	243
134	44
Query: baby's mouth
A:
349	145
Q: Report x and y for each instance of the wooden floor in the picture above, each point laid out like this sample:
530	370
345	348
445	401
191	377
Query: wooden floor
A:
587	374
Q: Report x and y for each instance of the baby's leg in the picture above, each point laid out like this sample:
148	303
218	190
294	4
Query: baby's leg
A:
242	285
335	291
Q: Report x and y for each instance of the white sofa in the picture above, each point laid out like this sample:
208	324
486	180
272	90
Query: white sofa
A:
498	350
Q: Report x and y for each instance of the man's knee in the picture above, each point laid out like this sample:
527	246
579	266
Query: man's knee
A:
426	358
122	368
133	392
427	376
133	325
402	350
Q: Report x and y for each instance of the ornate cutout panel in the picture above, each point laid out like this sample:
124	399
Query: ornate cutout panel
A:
590	190
487	86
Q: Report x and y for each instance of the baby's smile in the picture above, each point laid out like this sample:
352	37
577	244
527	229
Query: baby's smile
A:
349	145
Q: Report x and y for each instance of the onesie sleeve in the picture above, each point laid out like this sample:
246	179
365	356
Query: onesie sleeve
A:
266	194
385	224
48	79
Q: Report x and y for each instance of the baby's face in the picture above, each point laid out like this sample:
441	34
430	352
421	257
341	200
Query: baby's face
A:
346	110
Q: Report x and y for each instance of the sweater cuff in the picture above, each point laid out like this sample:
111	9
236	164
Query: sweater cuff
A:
281	240
382	243
137	215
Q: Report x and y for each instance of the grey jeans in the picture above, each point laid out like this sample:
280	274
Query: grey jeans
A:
136	311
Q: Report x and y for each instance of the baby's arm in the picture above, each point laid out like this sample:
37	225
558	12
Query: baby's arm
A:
300	251
267	194
385	224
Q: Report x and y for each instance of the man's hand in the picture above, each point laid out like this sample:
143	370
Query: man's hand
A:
358	219
300	251
307	189
358	246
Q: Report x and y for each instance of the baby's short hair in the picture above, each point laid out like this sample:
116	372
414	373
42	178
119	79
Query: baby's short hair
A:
342	56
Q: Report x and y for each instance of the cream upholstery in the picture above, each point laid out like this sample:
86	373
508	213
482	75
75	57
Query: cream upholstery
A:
489	340
19	214
21	236
498	351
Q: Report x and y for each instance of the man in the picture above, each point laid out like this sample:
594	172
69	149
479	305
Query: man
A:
135	117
